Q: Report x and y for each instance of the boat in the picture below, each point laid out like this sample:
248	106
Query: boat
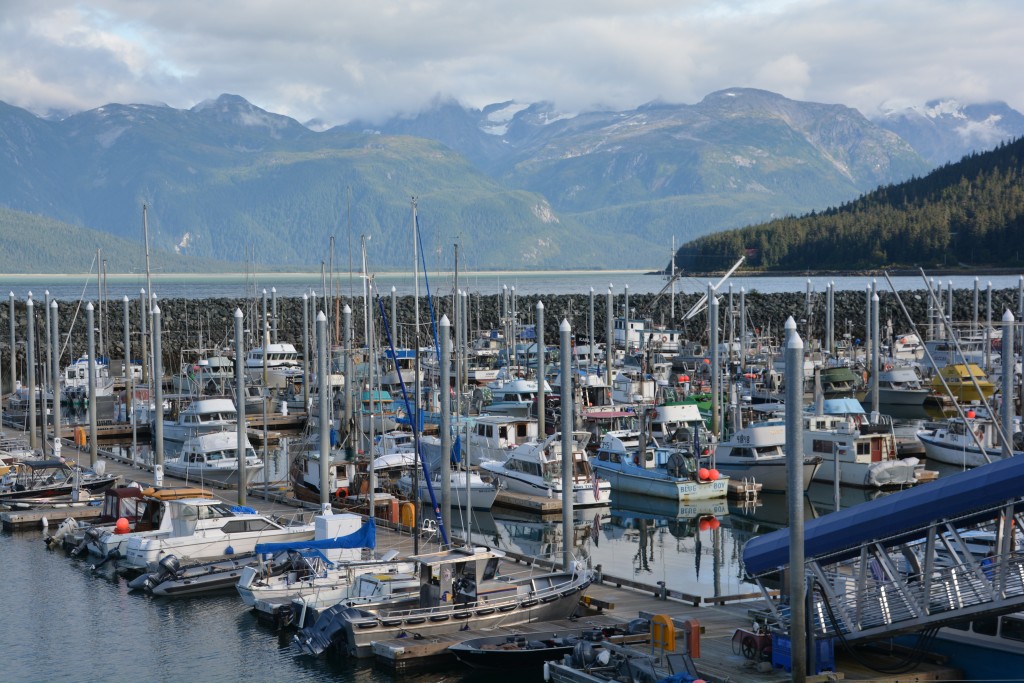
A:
146	514
535	468
672	473
283	365
899	385
907	347
493	437
958	378
76	379
515	396
212	459
45	478
866	452
604	661
205	529
481	496
377	409
757	451
171	579
459	589
322	571
526	653
399	368
209	375
952	441
305	474
839	382
201	416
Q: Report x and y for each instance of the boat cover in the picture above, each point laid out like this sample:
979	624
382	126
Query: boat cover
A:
365	537
967	497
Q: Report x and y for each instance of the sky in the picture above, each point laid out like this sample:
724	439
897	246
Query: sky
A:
339	60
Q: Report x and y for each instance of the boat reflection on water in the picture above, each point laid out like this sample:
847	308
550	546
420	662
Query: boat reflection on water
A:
822	496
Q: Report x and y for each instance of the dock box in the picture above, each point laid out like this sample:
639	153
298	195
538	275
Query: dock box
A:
782	654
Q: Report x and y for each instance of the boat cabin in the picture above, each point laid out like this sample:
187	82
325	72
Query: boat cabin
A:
460	576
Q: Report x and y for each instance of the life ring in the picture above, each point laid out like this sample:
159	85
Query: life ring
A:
342	492
636	460
888	366
664	337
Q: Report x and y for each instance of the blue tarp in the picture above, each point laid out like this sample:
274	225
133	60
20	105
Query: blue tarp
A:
366	537
968	497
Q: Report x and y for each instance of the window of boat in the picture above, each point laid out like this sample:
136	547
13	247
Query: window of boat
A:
1012	628
821	446
767	450
502	432
986	627
742	452
195	457
863	448
521	430
490	569
581	467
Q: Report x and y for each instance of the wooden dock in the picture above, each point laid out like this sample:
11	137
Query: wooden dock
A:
538	505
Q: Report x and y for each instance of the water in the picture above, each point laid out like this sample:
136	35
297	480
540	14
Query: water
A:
236	285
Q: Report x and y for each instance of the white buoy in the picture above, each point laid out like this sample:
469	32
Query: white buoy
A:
46	522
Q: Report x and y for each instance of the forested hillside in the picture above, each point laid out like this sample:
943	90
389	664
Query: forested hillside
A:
970	213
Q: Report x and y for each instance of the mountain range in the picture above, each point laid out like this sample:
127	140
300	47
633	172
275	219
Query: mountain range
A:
518	186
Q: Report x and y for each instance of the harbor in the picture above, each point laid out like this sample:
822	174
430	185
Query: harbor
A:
641	503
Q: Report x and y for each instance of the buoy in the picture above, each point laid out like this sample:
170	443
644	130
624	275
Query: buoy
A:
970	414
342	492
714	474
703	474
46	522
714	523
121	527
704	524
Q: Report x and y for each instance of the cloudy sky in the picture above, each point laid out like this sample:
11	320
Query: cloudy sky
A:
336	60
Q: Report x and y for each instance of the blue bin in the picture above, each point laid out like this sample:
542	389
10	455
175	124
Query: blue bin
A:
782	653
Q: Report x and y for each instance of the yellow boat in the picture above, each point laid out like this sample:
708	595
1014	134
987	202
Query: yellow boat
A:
958	377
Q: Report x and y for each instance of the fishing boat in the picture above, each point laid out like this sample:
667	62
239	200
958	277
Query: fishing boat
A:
839	382
865	451
672	473
205	529
53	477
494	437
535	468
283	365
399	367
961	379
146	515
76	379
201	416
306	479
459	589
899	385
210	374
212	459
757	451
954	441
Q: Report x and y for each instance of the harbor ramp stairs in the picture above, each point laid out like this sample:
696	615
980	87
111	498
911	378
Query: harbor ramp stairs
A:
915	560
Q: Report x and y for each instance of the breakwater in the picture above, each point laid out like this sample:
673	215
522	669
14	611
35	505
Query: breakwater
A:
209	323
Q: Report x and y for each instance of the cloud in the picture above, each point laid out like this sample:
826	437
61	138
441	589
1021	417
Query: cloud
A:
373	58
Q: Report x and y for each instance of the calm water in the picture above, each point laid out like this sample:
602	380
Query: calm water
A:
74	287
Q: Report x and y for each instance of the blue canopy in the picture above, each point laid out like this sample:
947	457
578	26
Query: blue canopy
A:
969	497
365	537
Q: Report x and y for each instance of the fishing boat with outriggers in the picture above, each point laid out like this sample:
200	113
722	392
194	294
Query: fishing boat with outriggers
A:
459	589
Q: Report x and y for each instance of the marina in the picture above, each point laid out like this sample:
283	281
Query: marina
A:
650	529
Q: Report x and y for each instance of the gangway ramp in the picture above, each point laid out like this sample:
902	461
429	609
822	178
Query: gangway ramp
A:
909	561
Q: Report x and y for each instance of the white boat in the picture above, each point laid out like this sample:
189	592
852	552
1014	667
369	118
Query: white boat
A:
481	496
513	396
866	452
907	347
212	459
671	473
399	367
952	441
209	375
757	451
899	385
305	474
494	437
535	468
205	529
76	379
283	363
323	570
201	416
459	589
149	518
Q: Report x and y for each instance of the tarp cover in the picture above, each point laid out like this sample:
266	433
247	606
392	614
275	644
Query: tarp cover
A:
897	518
365	537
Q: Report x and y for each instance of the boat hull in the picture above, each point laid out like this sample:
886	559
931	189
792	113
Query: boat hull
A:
771	475
221	476
662	486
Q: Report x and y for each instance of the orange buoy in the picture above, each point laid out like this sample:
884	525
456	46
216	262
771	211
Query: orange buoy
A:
713	474
121	526
703	474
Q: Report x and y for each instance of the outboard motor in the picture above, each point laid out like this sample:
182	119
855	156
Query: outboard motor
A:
315	639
